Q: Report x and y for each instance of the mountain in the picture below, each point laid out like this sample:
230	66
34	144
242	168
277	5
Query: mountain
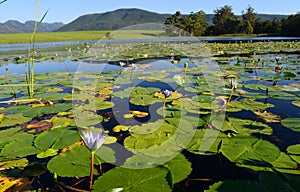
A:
6	29
114	20
13	26
120	18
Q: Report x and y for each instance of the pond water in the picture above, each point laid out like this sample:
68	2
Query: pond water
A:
255	135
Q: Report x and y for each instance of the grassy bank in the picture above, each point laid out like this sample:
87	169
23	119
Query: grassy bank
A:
77	35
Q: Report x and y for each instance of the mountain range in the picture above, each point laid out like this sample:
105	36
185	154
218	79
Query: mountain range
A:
111	20
13	26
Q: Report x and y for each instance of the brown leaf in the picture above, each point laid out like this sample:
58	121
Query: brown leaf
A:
268	117
39	126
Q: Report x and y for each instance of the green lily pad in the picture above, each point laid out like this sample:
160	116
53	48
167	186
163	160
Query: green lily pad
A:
163	138
179	168
294	151
250	151
247	127
122	179
291	123
18	163
13	119
206	142
47	153
284	161
57	138
39	111
21	147
72	163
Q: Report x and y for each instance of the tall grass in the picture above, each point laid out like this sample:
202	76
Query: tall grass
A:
31	53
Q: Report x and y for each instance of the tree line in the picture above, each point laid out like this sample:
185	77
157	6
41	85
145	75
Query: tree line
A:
225	22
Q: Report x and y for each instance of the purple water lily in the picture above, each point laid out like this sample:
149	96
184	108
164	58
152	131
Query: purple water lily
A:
222	102
233	83
167	93
277	59
93	139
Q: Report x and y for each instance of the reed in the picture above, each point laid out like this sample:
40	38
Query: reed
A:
31	53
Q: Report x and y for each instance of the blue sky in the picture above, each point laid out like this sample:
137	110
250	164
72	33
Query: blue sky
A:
67	10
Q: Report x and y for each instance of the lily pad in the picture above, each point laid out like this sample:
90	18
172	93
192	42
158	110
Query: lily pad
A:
57	138
291	123
122	179
13	119
72	163
250	151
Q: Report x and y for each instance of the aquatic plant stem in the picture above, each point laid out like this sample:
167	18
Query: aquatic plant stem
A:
164	110
92	169
230	96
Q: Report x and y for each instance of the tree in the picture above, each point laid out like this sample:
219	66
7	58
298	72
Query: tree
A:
291	25
174	24
196	23
249	16
223	16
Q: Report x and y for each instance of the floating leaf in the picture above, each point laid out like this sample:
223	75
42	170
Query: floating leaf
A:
110	140
13	119
119	128
247	127
39	111
294	151
73	163
297	103
268	116
179	168
122	179
12	164
285	162
15	184
47	153
21	147
57	138
291	123
206	141
250	150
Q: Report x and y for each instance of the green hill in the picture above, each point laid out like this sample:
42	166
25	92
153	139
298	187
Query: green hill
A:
120	18
114	20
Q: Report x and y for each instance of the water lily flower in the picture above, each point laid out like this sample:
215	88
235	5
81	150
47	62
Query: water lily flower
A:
167	93
122	63
93	139
222	102
277	59
233	83
133	66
